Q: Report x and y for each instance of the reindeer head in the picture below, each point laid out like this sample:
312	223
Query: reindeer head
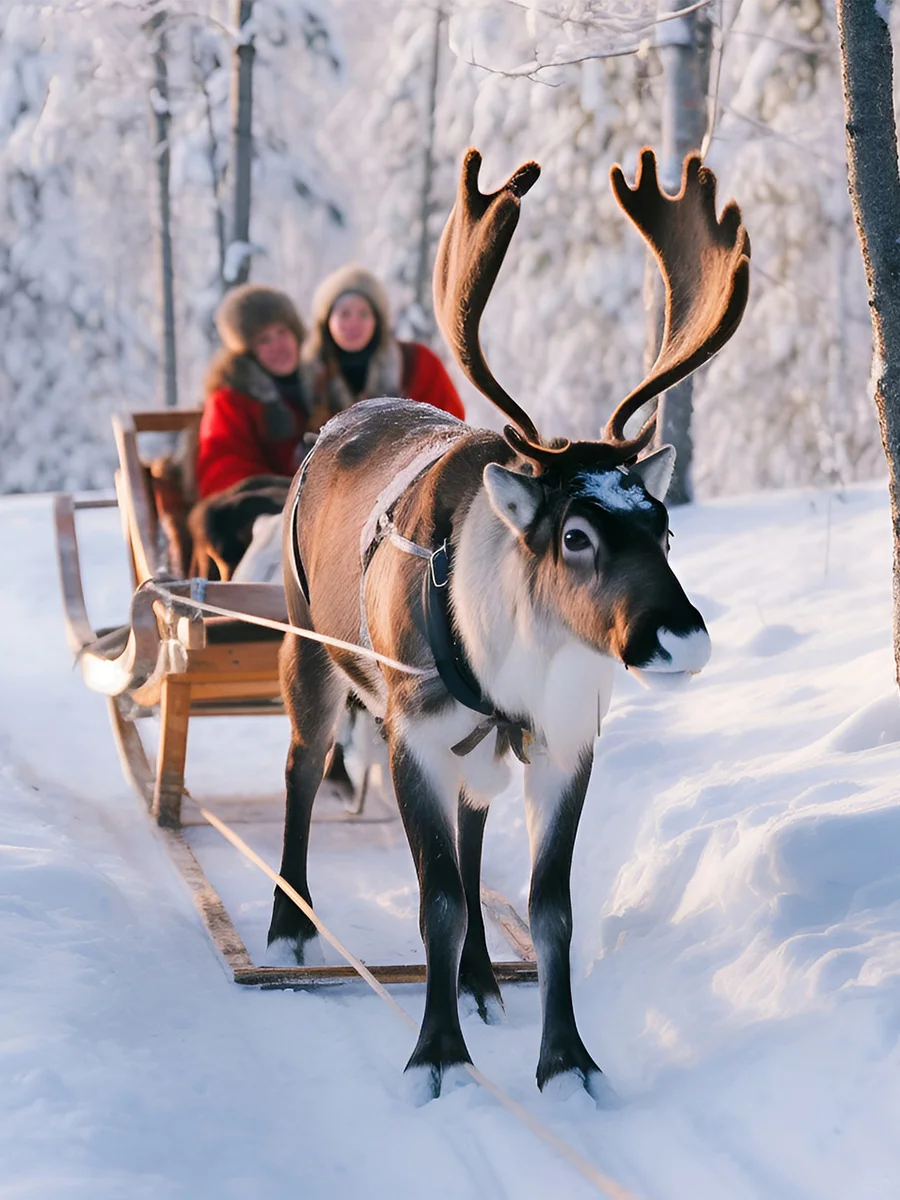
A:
588	517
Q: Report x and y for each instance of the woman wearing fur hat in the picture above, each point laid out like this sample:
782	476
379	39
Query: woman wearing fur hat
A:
351	353
256	411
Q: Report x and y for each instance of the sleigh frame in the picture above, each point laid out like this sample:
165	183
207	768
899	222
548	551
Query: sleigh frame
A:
173	659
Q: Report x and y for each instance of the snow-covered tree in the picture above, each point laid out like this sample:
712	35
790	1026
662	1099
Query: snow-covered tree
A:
80	318
786	402
360	160
76	314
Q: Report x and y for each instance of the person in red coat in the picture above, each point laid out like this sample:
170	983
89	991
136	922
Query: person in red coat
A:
256	412
269	387
352	354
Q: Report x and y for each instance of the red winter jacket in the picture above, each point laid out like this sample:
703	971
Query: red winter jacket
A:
427	381
236	438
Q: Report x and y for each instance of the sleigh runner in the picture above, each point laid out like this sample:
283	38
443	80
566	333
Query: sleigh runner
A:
179	661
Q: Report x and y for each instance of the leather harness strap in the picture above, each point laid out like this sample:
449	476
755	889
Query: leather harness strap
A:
455	670
451	663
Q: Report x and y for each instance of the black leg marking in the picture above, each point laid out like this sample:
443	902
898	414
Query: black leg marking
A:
550	909
442	913
337	769
313	696
476	975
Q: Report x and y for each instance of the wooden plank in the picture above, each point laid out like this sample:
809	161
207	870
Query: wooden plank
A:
132	755
79	631
218	924
257	599
254	660
502	913
141	516
174	717
105	499
243	706
122	496
237	685
173	420
282	977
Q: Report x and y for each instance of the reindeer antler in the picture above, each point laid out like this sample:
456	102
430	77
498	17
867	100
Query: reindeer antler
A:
471	252
705	264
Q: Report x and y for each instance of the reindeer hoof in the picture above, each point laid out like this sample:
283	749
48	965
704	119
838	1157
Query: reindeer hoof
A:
427	1082
489	1007
564	1086
601	1091
422	1083
294	952
571	1083
565	1065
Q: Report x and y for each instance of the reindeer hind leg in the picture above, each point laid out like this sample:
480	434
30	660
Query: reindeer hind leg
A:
314	695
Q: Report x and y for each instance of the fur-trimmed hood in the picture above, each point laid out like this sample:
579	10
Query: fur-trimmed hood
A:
243	374
351	278
318	365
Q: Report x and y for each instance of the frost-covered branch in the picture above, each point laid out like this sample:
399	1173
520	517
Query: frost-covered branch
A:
580	26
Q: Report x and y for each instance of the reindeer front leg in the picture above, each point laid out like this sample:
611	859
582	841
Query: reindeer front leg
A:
554	799
476	974
428	812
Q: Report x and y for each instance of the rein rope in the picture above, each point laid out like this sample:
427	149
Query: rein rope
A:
603	1183
285	627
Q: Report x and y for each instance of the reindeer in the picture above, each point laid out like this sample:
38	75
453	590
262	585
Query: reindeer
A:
514	572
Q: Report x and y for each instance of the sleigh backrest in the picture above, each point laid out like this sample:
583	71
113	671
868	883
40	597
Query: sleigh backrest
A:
156	493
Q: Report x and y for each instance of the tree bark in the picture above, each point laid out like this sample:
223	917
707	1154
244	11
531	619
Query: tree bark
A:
426	325
215	173
162	120
867	71
241	148
683	46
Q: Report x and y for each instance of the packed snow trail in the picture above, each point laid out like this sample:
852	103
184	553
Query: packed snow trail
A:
737	919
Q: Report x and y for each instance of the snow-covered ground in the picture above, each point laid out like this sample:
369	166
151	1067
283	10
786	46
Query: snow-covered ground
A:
737	920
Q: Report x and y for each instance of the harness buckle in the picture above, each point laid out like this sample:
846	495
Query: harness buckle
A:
440	573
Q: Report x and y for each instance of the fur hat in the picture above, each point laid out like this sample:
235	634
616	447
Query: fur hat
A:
247	310
321	378
356	279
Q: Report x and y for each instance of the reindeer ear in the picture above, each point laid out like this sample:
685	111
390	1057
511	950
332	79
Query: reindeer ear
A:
514	497
656	470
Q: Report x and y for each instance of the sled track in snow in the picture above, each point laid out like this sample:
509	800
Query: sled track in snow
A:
375	978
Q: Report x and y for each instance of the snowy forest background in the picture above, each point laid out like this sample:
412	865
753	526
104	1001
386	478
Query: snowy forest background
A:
343	107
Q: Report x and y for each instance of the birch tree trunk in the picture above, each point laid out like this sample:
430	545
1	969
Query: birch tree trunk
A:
161	117
426	325
683	46
237	267
867	70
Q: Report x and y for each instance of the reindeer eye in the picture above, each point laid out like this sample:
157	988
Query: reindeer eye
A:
579	541
576	539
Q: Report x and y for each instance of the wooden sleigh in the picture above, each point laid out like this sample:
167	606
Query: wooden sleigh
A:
176	660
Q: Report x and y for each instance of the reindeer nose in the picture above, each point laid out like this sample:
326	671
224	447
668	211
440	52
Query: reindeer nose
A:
669	643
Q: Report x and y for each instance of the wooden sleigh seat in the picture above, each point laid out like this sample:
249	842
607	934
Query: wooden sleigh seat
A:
169	656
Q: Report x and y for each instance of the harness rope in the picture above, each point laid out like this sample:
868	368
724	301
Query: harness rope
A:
604	1183
286	627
